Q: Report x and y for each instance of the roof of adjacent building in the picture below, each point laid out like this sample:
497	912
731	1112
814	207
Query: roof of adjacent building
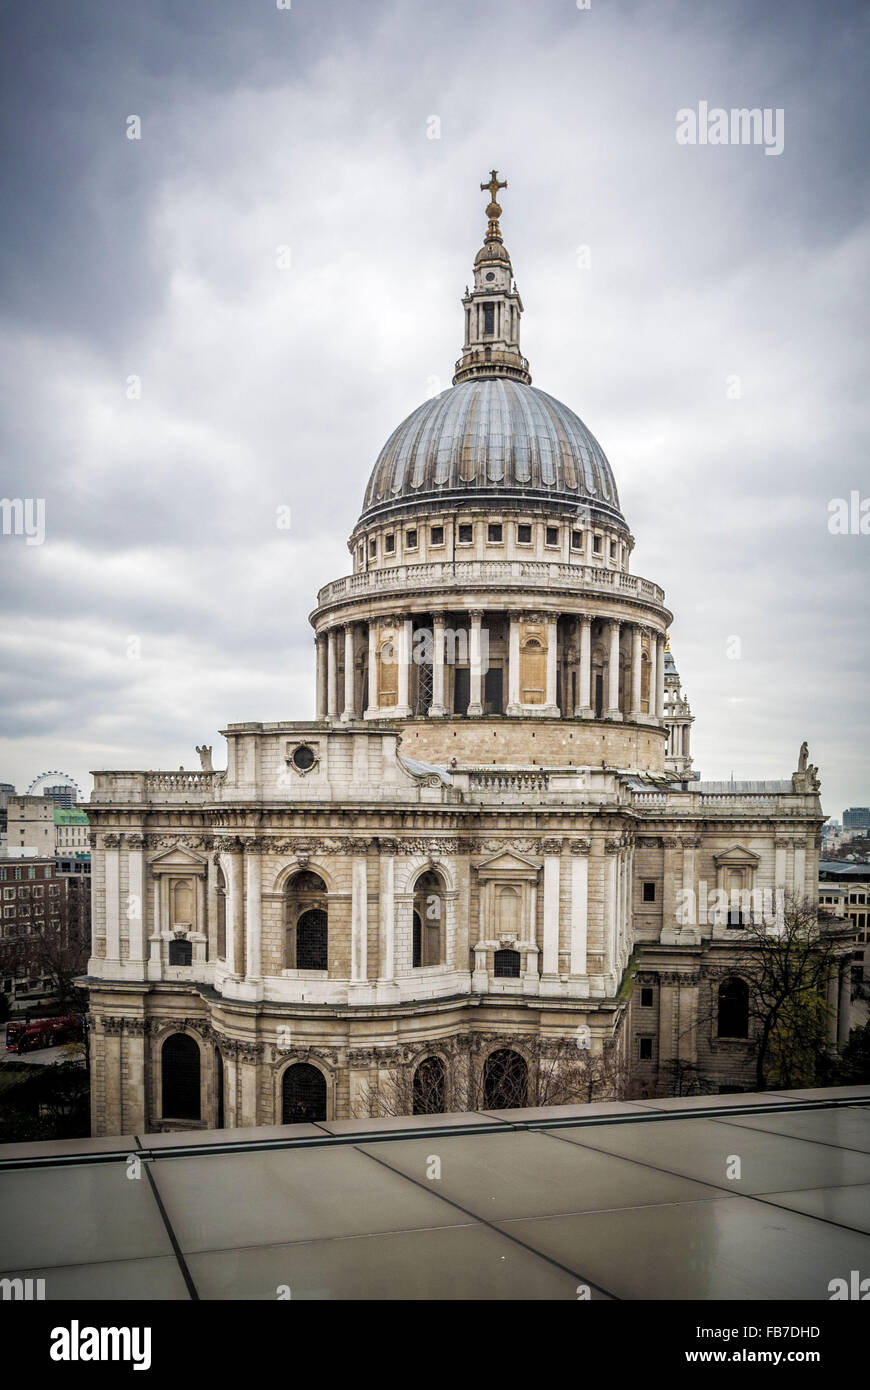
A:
528	1204
64	817
489	441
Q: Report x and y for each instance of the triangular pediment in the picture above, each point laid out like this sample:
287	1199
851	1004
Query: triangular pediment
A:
178	859
737	854
507	863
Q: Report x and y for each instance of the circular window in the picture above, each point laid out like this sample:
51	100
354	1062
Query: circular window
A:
490	275
303	757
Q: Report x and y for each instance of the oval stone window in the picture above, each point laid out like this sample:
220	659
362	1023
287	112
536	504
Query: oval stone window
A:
303	757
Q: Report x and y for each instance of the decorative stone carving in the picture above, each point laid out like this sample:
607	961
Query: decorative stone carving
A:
111	841
579	846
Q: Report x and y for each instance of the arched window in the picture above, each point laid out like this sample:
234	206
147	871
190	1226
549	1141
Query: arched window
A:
179	1064
429	1079
303	1094
429	919
505	1080
307	922
507	965
733	1012
312	940
180	953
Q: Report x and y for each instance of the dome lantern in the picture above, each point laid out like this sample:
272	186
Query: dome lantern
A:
493	308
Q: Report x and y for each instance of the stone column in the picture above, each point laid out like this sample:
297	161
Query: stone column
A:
583	708
844	1010
551	705
552	867
136	903
372	712
112	860
690	844
513	706
611	850
387	962
253	912
403	708
475	705
779	873
320	652
437	709
613	711
332	674
359	920
660	677
235	910
653	673
832	1004
635	670
349	704
579	905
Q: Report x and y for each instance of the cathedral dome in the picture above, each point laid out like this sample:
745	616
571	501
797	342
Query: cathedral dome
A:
491	440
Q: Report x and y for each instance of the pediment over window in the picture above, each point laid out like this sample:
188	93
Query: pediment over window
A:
737	855
178	860
507	865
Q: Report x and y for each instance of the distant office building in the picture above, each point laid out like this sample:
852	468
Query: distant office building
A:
857	818
38	823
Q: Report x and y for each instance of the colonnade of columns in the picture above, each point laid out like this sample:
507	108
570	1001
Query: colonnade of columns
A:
333	703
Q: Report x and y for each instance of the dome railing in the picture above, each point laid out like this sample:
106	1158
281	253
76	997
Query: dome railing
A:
449	574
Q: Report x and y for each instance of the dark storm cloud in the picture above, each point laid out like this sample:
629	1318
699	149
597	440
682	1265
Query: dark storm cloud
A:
263	388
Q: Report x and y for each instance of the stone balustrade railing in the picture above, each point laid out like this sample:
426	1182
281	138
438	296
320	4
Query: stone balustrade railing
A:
509	781
523	574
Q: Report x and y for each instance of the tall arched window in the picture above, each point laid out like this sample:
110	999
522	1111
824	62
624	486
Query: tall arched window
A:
307	922
505	1080
506	965
179	1065
429	1087
733	1011
429	919
303	1094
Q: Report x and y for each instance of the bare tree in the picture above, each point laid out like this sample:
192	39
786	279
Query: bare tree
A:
515	1073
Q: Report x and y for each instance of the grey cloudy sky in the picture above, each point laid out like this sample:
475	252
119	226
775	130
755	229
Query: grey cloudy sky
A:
262	387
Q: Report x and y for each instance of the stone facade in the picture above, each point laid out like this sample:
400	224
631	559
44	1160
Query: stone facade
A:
487	837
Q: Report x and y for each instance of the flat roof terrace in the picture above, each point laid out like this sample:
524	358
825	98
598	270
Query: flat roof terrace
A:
724	1197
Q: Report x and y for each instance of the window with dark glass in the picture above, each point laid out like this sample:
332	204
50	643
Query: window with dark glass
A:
505	1080
180	953
429	1081
303	1094
596	545
466	533
411	539
489	318
733	1011
506	965
389	543
552	535
646	997
437	535
494	533
524	534
613	550
646	1049
576	540
649	892
373	548
179	1065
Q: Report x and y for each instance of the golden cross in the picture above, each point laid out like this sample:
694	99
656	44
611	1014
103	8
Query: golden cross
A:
493	185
